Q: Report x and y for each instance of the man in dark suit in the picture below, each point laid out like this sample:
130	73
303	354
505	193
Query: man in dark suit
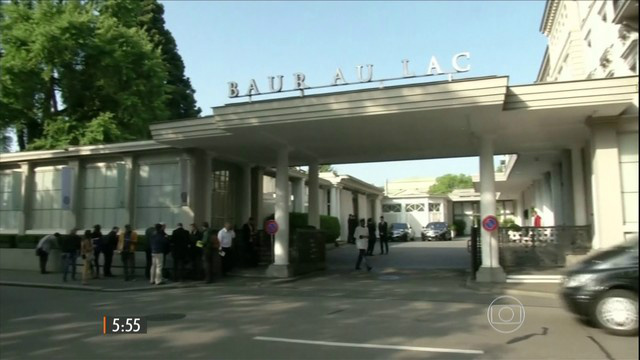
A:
383	228
371	227
179	251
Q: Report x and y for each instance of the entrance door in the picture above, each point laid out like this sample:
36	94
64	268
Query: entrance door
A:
225	177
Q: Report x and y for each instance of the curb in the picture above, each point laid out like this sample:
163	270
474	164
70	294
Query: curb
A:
503	287
95	288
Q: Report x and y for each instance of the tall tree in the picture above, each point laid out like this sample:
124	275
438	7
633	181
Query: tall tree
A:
449	182
180	100
325	168
73	75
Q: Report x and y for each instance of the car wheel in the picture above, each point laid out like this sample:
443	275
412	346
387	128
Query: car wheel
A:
616	312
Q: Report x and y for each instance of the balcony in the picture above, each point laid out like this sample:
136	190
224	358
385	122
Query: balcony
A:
626	11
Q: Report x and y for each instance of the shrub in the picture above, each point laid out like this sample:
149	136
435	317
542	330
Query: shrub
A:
27	241
298	220
459	226
509	223
7	241
331	226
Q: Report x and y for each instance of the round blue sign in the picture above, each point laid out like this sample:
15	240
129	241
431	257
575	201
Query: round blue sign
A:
490	223
271	227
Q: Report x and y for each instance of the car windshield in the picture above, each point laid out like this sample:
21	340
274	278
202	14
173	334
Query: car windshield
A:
436	226
398	226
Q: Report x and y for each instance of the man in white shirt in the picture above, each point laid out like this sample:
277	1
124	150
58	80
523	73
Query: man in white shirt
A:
362	242
226	236
44	248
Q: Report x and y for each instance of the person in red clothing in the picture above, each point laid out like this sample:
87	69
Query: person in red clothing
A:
537	220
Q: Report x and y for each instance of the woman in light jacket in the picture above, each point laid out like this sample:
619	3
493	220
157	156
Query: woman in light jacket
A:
86	250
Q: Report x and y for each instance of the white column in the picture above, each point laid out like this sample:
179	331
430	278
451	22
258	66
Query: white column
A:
537	200
71	213
490	270
246	193
378	209
26	188
520	209
567	189
281	248
335	202
556	195
607	192
547	204
298	195
314	206
129	190
577	181
258	196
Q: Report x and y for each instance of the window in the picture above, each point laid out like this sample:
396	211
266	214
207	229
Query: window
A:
158	194
9	188
391	208
434	207
47	199
414	207
103	196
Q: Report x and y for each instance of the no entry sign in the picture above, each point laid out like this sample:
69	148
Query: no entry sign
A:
490	223
272	227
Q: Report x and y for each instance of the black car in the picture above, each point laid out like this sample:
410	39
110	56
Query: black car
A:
436	231
400	232
604	289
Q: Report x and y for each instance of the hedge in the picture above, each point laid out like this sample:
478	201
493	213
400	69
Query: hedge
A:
329	224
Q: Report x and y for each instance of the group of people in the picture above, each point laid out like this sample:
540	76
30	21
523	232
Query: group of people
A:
364	235
201	253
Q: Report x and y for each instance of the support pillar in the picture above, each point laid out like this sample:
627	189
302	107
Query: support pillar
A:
71	195
257	195
314	206
129	190
556	195
490	271
246	192
280	267
607	189
547	211
26	189
577	181
567	189
298	195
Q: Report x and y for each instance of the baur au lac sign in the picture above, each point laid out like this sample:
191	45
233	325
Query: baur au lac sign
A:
364	74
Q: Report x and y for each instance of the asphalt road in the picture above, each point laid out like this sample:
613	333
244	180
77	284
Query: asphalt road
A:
302	320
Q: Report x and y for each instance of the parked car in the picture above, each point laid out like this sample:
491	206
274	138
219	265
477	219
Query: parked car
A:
604	289
436	231
401	232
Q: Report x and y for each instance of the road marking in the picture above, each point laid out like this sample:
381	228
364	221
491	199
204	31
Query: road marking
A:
370	346
534	276
532	281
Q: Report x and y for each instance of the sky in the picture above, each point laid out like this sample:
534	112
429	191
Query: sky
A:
223	41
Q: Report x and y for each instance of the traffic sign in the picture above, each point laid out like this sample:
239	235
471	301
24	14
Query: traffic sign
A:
490	223
271	227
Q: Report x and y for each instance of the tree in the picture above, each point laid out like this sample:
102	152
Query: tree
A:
72	75
449	182
148	15
326	168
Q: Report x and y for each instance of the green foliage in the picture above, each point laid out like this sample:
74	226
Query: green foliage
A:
459	226
7	241
27	241
326	168
509	223
88	72
298	220
331	226
449	182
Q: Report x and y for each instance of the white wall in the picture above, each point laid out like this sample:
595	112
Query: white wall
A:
101	196
9	202
346	208
46	210
158	194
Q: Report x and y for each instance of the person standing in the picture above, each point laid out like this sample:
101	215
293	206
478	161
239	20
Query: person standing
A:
383	228
158	244
109	246
196	252
148	234
361	235
250	237
537	220
96	240
226	236
87	251
352	223
127	242
69	246
44	248
371	228
179	251
211	254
